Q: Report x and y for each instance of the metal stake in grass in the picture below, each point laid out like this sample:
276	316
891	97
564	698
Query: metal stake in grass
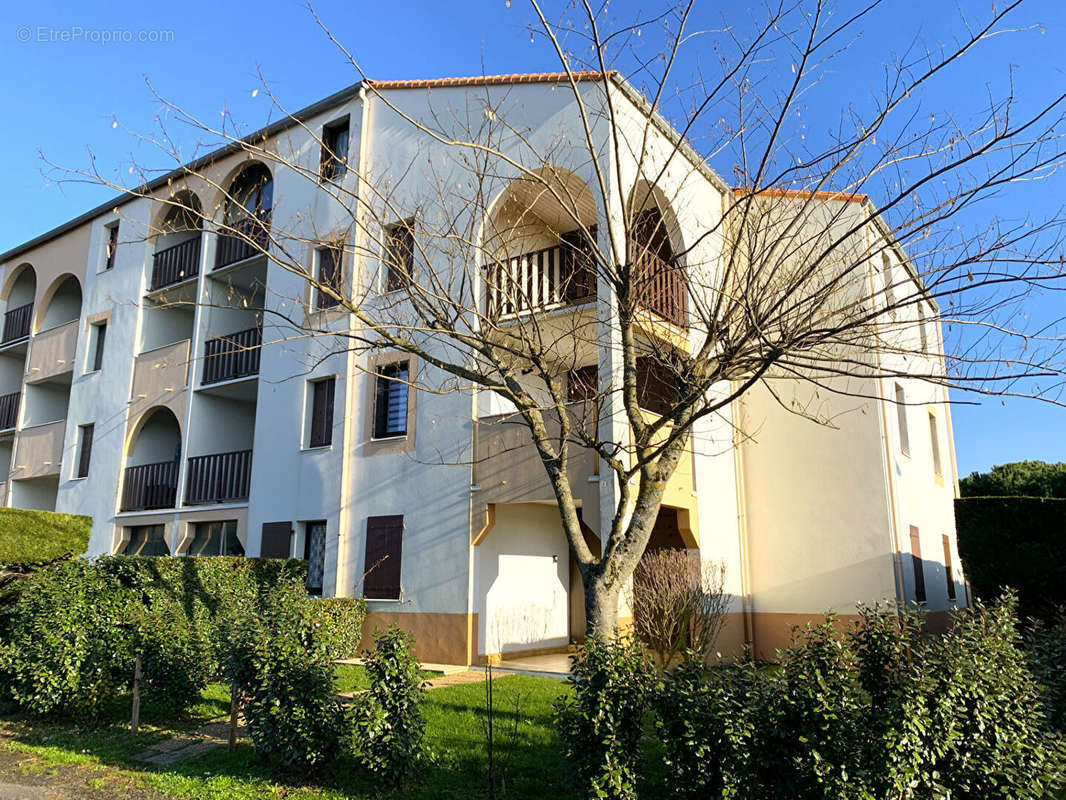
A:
135	717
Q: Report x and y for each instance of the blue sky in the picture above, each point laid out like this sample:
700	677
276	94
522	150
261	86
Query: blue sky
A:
61	97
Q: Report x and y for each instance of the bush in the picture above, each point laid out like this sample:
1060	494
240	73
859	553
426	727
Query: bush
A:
281	664
1015	542
600	721
389	722
678	605
1045	643
67	645
1017	479
341	620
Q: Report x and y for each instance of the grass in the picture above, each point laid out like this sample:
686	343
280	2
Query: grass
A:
27	536
527	750
353	678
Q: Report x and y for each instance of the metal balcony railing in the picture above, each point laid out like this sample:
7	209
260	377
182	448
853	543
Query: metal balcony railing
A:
149	486
252	238
9	410
17	323
235	355
219	478
176	264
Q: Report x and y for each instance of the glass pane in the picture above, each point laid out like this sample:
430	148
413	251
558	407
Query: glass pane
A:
316	554
206	540
231	544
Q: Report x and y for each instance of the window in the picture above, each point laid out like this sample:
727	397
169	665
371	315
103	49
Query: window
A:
890	289
147	540
916	561
656	385
390	401
329	276
321	427
112	246
315	554
581	385
949	573
901	418
934	439
85	449
276	540
216	539
399	255
922	335
97	339
384	550
334	150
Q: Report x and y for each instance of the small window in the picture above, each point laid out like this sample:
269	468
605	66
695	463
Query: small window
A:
923	336
335	150
890	289
85	449
112	246
384	551
949	572
934	440
399	255
390	401
315	554
916	561
329	281
147	540
321	422
96	342
216	539
901	418
656	385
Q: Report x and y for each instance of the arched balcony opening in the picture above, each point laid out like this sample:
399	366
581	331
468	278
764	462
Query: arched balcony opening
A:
539	242
18	310
63	304
176	257
246	216
660	284
152	463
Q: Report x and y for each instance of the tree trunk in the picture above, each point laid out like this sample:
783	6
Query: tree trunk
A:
601	606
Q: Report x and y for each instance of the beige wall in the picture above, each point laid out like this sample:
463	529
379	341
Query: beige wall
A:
39	450
52	352
160	378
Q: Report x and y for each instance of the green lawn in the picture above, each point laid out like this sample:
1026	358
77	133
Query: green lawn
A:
27	536
527	749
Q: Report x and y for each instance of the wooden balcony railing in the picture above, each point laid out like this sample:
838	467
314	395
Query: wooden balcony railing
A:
17	323
149	486
235	355
9	410
544	279
176	264
255	240
219	478
661	288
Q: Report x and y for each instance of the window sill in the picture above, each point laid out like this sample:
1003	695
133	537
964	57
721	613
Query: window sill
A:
90	372
399	437
396	600
80	478
314	448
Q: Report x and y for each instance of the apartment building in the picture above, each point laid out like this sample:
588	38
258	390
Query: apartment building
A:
151	377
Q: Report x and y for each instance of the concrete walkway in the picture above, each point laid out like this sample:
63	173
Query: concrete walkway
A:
554	665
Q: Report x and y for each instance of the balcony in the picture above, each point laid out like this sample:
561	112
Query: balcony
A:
542	280
150	486
9	410
52	352
235	355
176	264
39	450
253	239
219	478
17	323
661	289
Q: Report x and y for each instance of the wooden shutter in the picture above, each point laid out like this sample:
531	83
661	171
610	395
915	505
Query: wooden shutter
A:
112	245
322	412
901	419
329	275
86	450
384	552
101	337
949	573
381	406
919	572
400	255
276	539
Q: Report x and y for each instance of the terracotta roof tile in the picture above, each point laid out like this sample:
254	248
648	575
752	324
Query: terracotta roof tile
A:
489	80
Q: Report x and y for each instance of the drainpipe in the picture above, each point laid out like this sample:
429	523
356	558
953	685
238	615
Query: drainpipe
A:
743	539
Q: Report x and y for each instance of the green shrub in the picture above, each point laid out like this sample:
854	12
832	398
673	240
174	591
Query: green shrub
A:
600	721
1017	479
1046	645
1016	542
282	665
341	619
68	644
389	723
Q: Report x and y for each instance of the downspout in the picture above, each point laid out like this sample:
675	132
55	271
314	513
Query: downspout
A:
352	417
743	537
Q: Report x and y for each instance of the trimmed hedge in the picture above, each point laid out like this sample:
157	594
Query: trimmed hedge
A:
30	537
1017	542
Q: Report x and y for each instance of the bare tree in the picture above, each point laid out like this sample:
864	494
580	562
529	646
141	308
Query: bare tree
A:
791	279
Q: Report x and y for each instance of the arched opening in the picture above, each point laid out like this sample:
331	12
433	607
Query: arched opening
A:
18	312
62	303
152	462
539	241
177	244
660	285
246	216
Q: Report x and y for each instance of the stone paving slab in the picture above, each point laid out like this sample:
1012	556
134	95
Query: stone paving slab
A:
15	791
